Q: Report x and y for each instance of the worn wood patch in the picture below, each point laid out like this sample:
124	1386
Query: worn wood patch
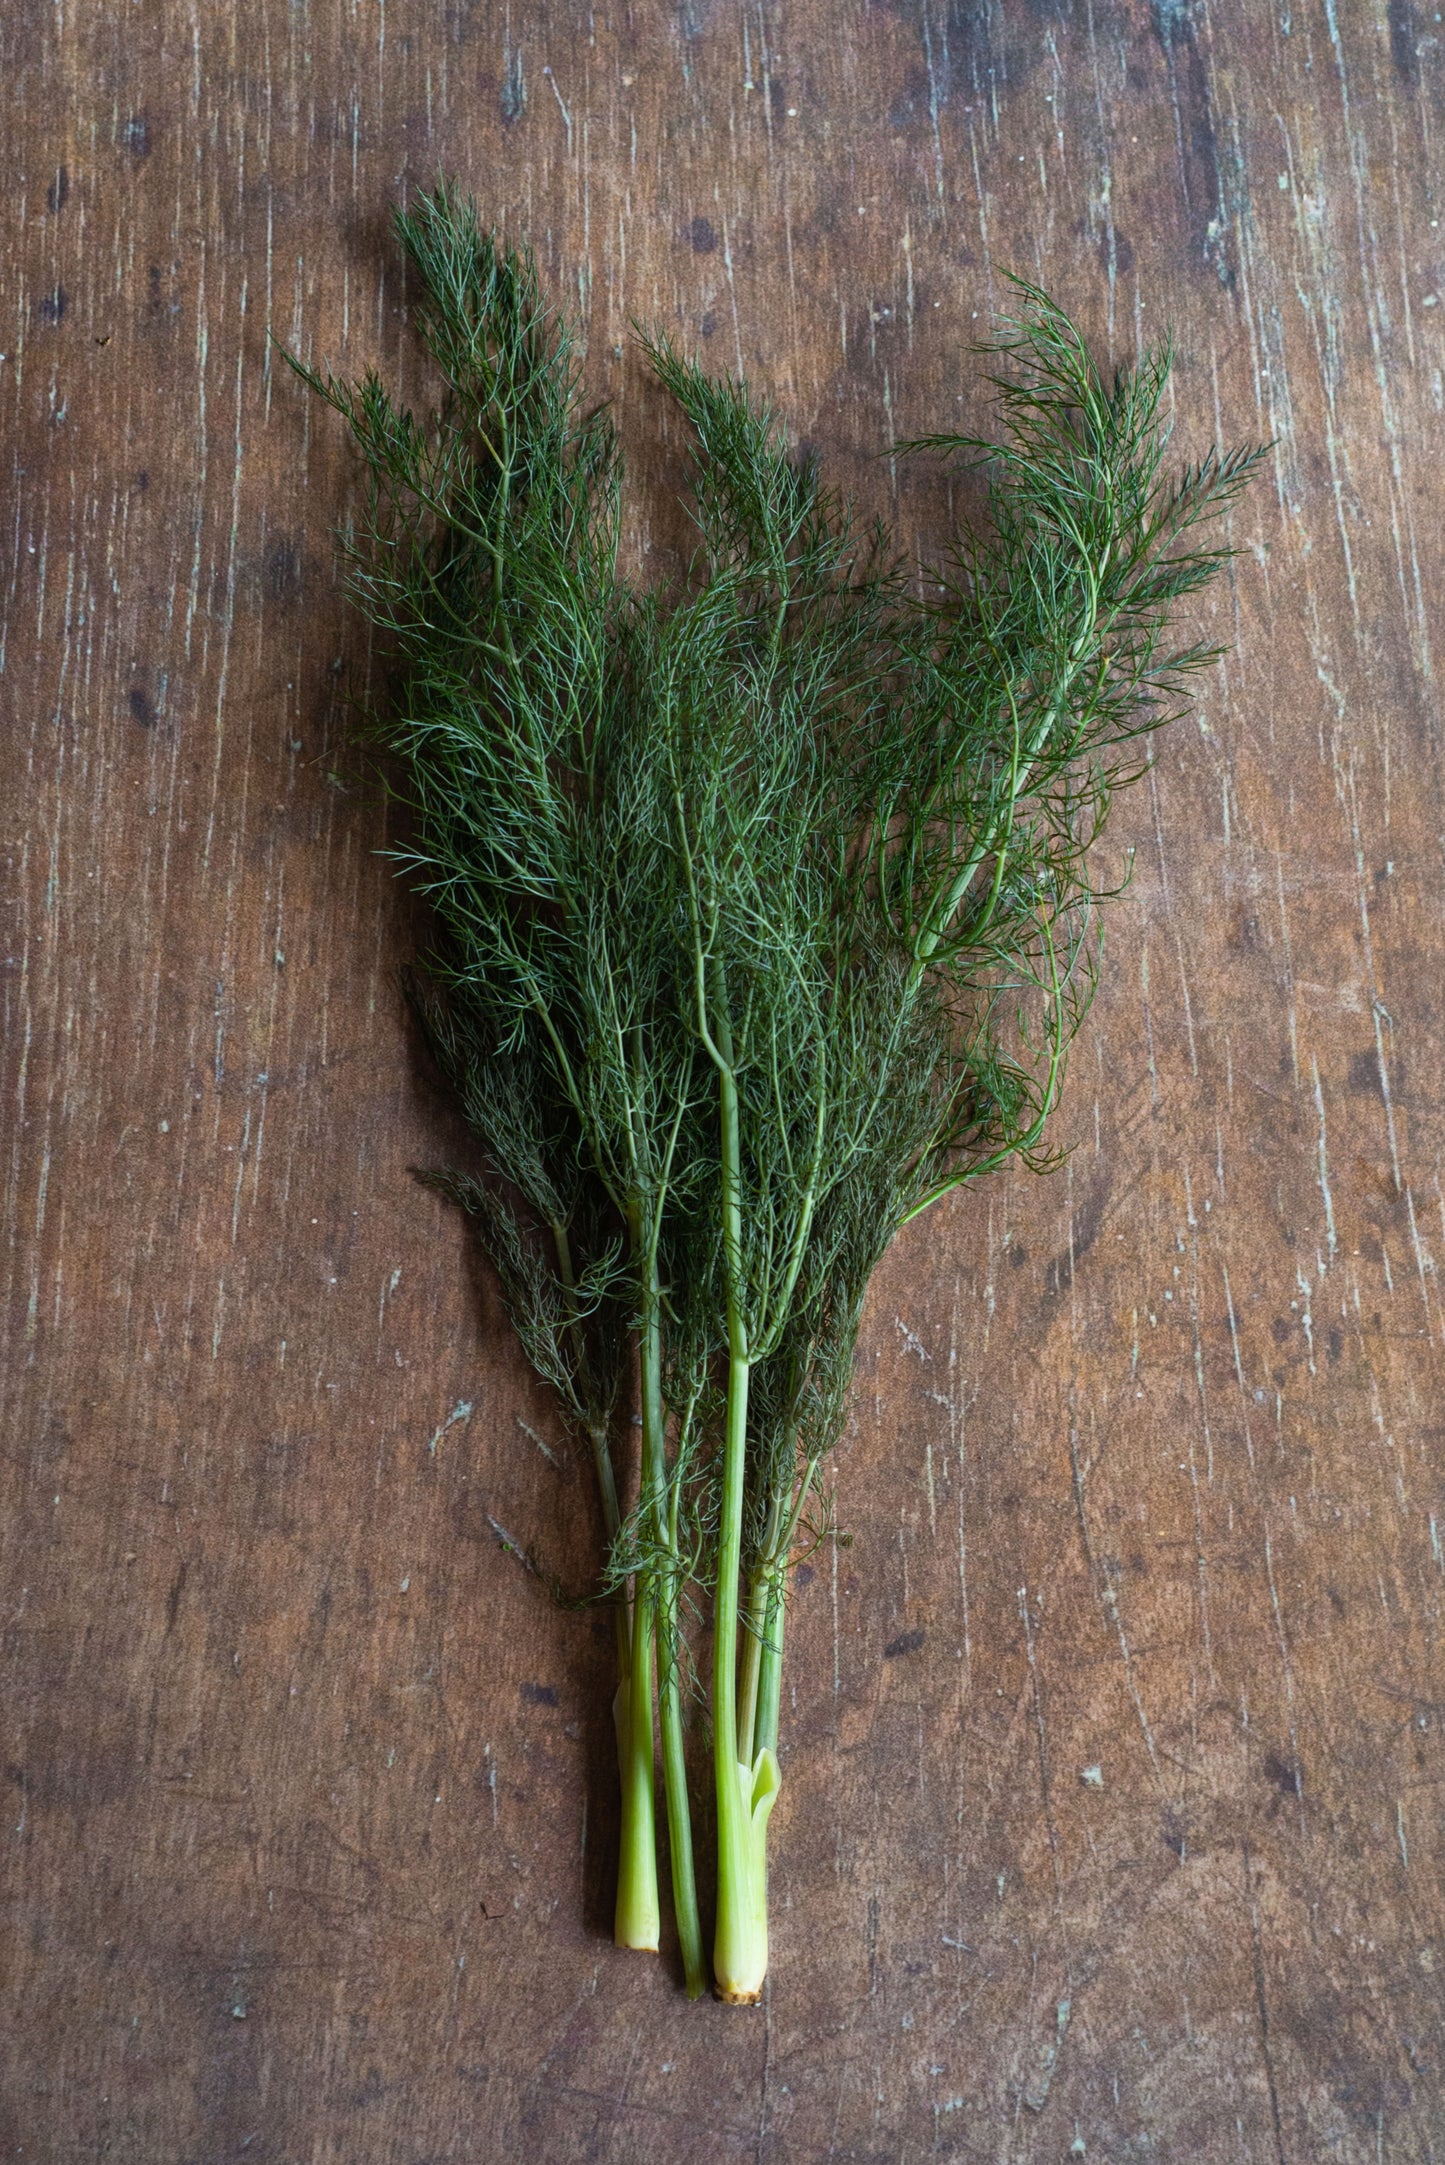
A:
1110	1824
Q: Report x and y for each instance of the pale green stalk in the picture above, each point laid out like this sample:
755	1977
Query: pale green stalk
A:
662	1597
636	1919
745	1790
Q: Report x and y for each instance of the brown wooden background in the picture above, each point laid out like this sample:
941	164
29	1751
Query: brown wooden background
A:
307	1828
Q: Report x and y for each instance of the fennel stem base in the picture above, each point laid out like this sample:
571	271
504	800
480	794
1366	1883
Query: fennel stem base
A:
637	1919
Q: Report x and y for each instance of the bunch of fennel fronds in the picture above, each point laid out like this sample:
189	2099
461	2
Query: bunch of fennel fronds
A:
764	919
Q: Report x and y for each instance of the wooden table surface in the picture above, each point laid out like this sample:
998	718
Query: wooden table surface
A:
1111	1818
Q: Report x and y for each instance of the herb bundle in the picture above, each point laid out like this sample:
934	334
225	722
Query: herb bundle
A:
764	919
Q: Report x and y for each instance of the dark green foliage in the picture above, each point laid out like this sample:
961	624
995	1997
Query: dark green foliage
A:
788	854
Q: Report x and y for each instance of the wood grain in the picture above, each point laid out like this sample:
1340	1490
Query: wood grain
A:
308	1828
